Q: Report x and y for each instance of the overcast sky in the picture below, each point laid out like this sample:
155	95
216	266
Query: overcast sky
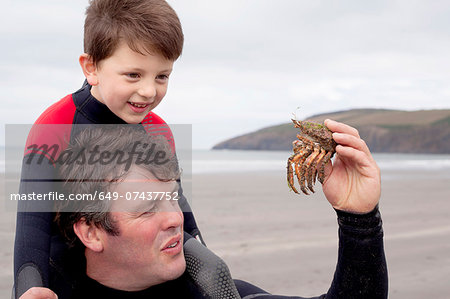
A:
247	64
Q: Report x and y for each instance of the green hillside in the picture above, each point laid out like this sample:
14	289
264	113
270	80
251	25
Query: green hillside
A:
389	131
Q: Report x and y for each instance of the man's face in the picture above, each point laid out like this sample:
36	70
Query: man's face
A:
131	84
149	247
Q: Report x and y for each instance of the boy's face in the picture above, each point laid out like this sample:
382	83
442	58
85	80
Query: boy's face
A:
131	84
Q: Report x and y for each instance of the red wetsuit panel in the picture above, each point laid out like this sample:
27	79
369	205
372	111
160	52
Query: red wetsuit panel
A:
46	138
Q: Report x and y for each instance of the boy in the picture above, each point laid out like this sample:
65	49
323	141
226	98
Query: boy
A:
130	47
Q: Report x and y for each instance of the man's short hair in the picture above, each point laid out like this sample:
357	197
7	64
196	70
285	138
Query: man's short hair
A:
150	26
126	146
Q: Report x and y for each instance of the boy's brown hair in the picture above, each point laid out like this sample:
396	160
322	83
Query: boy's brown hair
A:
150	26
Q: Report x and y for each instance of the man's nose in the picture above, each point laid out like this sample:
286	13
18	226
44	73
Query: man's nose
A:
173	217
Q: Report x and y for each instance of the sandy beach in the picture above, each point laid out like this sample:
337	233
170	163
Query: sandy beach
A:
287	244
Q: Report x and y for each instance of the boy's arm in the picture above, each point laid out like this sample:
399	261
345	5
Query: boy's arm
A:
33	228
190	225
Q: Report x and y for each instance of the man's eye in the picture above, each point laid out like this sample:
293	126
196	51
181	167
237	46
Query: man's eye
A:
149	212
152	209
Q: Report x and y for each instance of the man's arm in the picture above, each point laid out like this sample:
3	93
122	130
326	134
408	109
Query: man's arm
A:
361	270
352	186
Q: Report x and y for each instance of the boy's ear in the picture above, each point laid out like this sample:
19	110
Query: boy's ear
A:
89	68
89	234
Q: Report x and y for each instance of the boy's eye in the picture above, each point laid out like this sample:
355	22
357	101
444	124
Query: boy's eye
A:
133	75
162	77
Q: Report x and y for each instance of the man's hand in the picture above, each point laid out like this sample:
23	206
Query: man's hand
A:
39	293
352	184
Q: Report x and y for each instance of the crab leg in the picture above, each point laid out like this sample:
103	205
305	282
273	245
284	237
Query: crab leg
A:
297	160
297	146
309	162
290	175
317	162
301	174
297	124
298	152
325	160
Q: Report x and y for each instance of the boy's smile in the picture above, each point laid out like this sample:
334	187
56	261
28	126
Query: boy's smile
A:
129	83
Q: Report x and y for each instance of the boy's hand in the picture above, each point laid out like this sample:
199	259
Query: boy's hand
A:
39	293
352	184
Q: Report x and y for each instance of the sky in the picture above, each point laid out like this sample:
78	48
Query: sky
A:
246	64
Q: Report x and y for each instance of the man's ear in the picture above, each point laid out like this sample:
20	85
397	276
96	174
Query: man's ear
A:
89	234
89	68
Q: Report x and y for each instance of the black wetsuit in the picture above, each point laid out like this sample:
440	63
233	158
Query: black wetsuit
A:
361	271
35	231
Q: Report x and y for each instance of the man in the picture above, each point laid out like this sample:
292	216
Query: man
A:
132	249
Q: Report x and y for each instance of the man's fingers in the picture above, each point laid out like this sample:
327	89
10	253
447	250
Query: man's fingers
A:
351	141
39	293
353	149
354	155
338	127
347	136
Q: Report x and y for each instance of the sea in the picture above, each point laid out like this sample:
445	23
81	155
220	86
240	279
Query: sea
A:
223	161
229	161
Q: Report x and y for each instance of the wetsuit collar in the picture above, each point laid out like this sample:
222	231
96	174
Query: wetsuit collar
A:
92	109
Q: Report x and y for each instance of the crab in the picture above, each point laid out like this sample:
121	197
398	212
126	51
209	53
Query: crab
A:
313	149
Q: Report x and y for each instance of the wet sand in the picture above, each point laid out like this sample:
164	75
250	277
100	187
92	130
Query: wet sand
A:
287	244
